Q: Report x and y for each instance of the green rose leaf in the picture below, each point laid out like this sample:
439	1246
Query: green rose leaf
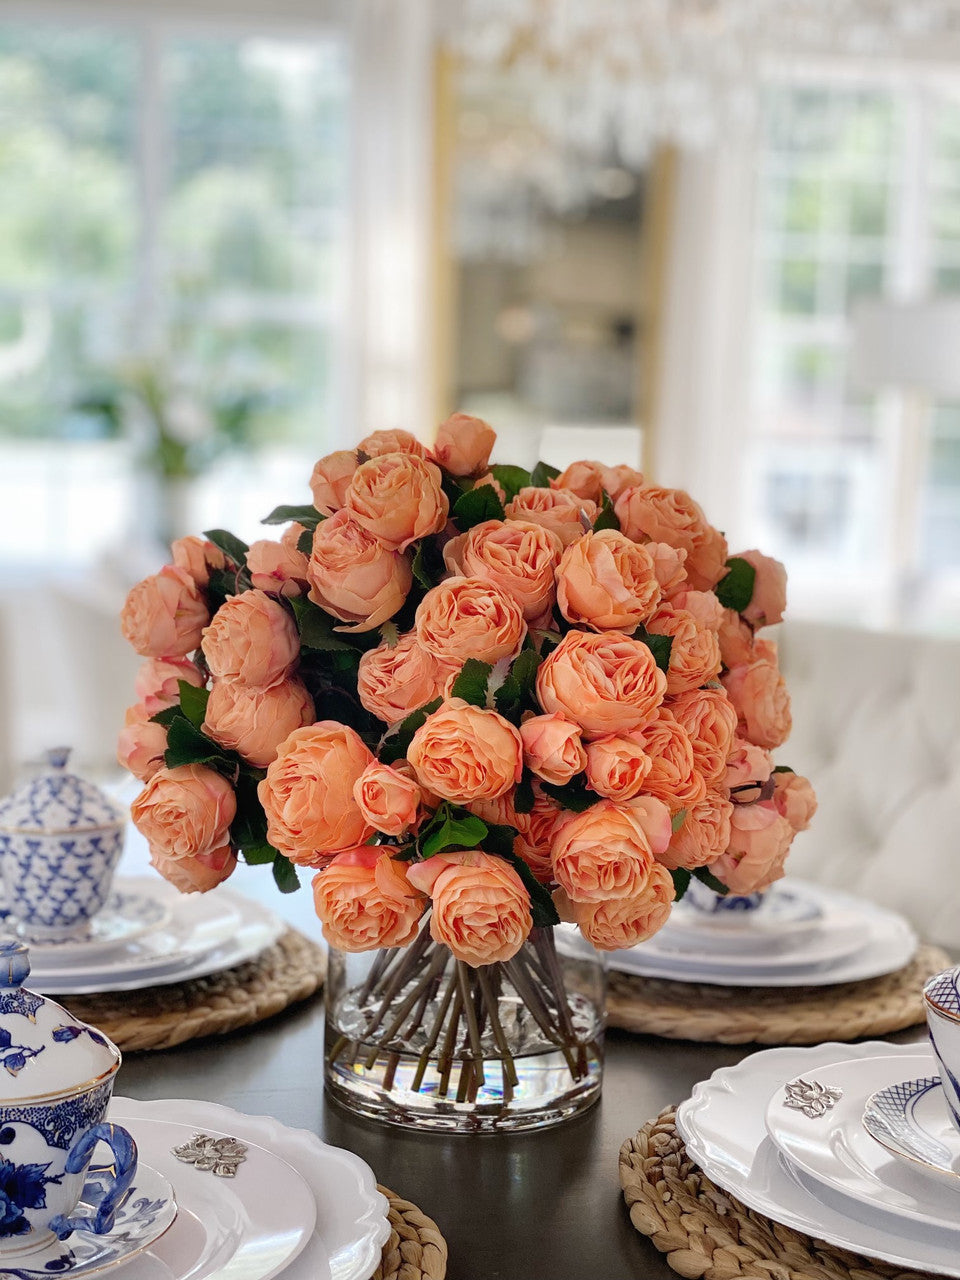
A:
735	591
475	506
316	627
305	542
233	548
516	693
681	882
574	795
457	829
523	797
166	717
308	516
780	768
222	584
285	874
396	741
607	517
542	474
706	877
660	646
510	479
187	745
471	683
678	819
257	855
193	702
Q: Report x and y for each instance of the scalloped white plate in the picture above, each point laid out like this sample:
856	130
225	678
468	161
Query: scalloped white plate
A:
347	1215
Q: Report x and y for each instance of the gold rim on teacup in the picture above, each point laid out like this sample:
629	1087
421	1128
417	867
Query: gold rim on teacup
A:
61	1094
938	1008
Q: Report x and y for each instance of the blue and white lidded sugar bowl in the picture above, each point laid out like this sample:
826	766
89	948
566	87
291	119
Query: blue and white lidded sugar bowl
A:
60	840
56	1079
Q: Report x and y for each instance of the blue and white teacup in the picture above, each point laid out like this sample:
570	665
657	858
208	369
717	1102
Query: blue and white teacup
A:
708	901
941	999
56	1080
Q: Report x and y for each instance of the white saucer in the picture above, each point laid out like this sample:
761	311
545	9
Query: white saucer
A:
890	944
849	934
836	1151
131	912
911	1120
207	933
787	916
347	1215
723	1126
147	1212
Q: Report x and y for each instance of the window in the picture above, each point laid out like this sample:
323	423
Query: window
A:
858	198
173	218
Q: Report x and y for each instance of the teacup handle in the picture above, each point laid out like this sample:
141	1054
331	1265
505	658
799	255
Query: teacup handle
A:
125	1167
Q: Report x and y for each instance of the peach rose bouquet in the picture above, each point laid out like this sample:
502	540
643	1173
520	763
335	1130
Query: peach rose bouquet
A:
473	700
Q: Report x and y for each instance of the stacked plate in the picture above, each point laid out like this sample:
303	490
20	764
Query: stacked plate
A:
801	935
293	1207
149	934
851	1144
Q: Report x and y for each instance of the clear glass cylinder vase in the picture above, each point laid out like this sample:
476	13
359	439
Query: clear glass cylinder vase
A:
418	1039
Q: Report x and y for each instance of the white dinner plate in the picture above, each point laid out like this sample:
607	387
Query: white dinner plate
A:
788	915
836	1150
911	1120
208	933
347	1214
723	1126
891	943
132	910
850	934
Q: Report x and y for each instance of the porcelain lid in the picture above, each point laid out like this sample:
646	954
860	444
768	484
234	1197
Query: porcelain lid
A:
44	1050
943	992
56	801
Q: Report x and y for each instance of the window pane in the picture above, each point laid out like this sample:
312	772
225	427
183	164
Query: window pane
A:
940	518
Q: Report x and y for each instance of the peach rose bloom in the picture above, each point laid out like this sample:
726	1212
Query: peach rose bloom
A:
164	615
736	639
617	765
197	557
668	565
795	799
517	556
760	840
141	744
330	480
710	720
465	618
397	440
199	874
307	794
695	653
585	479
617	923
552	748
621	477
252	639
481	910
758	692
393	681
277	567
185	811
158	682
365	901
535	830
388	797
703	835
653	514
769	597
747	769
606	683
607	582
253	721
703	605
464	444
353	576
397	498
601	853
558	510
673	777
465	753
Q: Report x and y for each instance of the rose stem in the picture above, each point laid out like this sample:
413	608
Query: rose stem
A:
434	1034
430	989
445	1061
546	947
393	1061
531	998
408	966
419	992
507	1066
373	977
473	1027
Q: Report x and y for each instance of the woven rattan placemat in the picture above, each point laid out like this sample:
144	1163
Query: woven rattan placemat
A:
773	1015
705	1233
416	1250
161	1017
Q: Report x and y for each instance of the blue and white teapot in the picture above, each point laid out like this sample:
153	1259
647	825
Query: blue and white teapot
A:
56	1079
60	840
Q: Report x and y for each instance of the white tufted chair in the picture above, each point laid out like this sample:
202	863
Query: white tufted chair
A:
877	730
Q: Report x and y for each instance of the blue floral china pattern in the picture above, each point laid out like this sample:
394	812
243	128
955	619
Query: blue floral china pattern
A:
941	998
60	840
56	1080
708	900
